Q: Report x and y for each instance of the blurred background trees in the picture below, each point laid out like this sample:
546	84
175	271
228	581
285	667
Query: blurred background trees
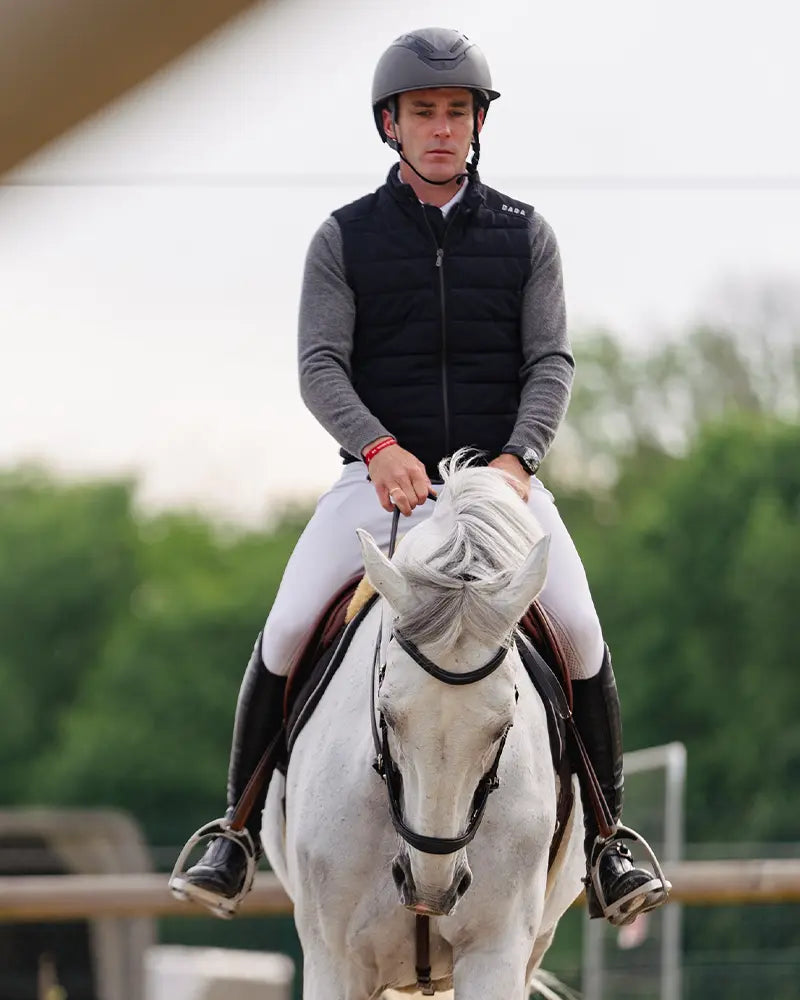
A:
123	635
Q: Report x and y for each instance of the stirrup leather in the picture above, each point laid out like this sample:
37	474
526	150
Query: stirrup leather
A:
220	906
647	897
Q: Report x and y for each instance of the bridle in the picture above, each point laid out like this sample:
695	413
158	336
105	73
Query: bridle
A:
388	770
384	763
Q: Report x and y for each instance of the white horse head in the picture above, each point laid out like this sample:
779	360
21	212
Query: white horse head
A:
456	590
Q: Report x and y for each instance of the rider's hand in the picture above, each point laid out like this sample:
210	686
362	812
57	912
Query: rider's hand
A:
397	473
518	479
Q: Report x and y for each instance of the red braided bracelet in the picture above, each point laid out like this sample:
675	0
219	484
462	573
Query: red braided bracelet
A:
378	447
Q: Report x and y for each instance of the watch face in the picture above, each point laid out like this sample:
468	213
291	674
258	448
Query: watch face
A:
530	460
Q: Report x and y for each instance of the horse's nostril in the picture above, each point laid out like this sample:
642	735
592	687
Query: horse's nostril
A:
398	874
464	884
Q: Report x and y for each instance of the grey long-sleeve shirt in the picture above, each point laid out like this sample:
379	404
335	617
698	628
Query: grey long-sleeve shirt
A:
325	345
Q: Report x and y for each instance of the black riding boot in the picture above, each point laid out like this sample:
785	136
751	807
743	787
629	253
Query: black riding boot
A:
259	715
625	889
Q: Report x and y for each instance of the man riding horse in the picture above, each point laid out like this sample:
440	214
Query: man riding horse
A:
432	318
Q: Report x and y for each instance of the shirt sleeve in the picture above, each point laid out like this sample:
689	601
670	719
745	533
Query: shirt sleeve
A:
325	344
548	365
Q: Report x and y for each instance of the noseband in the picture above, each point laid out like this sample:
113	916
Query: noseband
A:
384	763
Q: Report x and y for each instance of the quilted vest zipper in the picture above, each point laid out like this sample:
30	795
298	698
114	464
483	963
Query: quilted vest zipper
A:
443	313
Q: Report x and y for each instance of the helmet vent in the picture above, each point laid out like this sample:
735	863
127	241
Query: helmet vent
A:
441	59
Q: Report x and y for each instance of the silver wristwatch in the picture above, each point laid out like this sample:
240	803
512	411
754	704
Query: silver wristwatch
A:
528	458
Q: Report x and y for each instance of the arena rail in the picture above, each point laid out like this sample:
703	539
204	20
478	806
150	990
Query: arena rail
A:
46	898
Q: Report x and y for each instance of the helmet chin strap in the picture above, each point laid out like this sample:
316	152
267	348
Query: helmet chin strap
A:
458	178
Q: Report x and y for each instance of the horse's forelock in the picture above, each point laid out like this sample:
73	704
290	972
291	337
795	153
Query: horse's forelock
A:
485	533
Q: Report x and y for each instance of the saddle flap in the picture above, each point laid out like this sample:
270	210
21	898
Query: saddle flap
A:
320	638
537	626
545	664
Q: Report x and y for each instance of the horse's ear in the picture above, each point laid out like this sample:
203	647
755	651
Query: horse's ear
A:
528	580
384	576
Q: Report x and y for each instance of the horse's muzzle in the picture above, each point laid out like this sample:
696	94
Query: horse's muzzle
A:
426	902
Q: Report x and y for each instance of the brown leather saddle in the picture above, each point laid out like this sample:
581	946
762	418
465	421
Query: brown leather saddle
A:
327	642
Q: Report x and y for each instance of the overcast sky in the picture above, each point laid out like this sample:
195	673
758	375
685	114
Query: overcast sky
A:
150	261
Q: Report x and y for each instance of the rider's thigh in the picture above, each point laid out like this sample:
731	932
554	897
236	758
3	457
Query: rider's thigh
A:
566	595
327	554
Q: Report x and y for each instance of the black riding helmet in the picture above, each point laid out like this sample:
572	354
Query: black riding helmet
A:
431	57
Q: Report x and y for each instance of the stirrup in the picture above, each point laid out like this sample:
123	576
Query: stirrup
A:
651	895
220	906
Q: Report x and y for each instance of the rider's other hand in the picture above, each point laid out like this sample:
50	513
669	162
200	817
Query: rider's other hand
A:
397	472
517	478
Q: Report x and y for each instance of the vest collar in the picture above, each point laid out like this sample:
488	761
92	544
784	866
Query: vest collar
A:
402	192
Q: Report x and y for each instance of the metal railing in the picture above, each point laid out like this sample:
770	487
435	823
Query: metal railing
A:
37	898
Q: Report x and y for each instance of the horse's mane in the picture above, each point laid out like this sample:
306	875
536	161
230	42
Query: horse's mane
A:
489	533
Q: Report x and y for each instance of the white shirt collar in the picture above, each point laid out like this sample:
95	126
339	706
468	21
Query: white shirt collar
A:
455	199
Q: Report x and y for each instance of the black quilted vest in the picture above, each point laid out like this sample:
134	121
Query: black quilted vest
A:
437	345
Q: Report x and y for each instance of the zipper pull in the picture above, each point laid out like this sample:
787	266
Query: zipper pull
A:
439	256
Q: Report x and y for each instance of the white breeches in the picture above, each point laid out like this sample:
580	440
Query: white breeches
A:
328	553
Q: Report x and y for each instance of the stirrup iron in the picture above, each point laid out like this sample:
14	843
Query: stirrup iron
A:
653	894
220	906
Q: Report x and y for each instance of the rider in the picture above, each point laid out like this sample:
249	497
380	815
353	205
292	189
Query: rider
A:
432	317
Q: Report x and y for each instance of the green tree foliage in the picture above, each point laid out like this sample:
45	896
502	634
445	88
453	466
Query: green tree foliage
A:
694	569
686	460
68	563
122	644
743	360
159	706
